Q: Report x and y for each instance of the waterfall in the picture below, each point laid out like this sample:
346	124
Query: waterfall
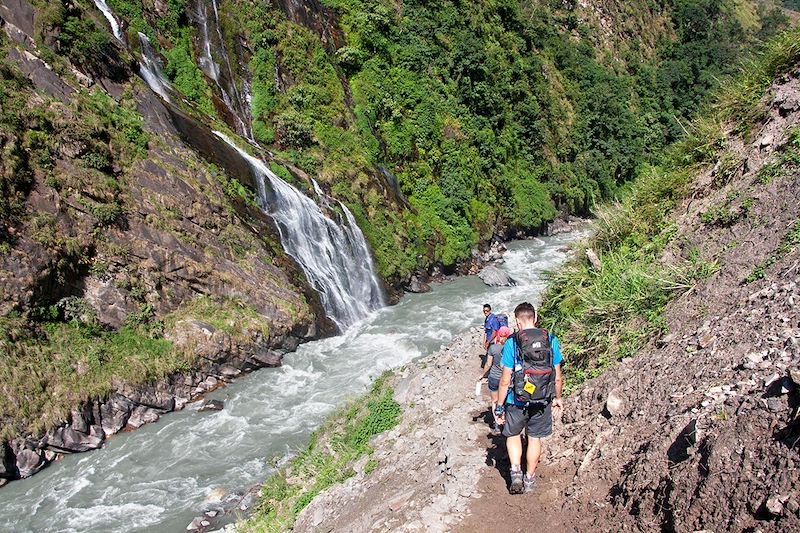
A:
103	6
150	71
225	81
335	258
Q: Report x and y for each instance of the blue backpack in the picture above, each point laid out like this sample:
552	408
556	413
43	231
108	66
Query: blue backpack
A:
502	320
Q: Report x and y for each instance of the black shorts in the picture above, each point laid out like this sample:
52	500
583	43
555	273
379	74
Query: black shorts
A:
537	417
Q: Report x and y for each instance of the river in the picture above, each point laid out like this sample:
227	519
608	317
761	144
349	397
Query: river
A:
159	477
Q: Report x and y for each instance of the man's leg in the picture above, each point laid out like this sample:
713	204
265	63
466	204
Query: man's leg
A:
515	422
540	424
514	448
532	457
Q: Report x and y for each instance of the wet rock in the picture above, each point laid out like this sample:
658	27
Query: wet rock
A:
229	372
212	405
68	440
494	277
418	286
29	462
142	415
266	358
195	524
114	414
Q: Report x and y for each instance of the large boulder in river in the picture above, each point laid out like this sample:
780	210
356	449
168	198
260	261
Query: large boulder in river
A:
494	277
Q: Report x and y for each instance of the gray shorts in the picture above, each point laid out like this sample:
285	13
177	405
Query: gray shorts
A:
493	384
538	418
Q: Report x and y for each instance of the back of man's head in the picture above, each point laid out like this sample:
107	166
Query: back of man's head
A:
525	313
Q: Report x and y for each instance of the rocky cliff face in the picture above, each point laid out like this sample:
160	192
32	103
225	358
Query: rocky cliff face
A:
111	210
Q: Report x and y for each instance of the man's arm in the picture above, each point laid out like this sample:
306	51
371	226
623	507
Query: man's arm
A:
505	382
558	403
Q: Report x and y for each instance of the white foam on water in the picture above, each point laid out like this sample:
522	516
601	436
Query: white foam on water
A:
128	516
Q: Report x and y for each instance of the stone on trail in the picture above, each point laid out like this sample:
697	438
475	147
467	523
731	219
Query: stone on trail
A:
494	277
774	505
615	403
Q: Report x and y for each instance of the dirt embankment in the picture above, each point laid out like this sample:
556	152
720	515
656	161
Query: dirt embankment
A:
698	431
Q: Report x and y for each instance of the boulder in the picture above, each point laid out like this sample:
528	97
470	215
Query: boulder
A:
418	286
29	462
68	440
615	403
212	405
494	277
114	414
142	415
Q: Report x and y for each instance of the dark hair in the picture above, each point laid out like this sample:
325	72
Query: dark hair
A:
525	310
487	306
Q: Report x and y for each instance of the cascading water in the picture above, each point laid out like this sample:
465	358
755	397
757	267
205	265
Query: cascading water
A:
103	7
225	82
335	258
150	71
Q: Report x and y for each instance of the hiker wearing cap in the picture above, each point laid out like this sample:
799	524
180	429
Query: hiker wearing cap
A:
531	386
494	370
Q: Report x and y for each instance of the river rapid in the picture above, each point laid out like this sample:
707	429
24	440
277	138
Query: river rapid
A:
161	476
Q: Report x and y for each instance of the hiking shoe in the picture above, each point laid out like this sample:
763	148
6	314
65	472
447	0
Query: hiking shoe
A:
516	482
528	484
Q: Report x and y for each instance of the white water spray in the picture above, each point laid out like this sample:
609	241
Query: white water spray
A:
334	257
103	7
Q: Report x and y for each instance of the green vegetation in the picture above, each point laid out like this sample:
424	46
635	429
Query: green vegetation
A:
63	357
231	316
329	458
56	364
788	244
607	314
501	114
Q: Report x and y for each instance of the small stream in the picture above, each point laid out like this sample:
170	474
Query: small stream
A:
159	477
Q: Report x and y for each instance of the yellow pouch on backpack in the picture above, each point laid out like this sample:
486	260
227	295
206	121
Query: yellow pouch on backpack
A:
529	388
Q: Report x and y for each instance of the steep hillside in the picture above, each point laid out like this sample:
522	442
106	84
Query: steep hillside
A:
116	240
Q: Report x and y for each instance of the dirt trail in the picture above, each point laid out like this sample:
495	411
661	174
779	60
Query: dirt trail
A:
703	430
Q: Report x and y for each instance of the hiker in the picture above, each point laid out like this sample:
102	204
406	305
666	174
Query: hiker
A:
494	371
531	385
490	326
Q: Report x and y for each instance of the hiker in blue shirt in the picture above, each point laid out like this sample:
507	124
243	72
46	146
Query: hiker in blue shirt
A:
535	416
490	326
